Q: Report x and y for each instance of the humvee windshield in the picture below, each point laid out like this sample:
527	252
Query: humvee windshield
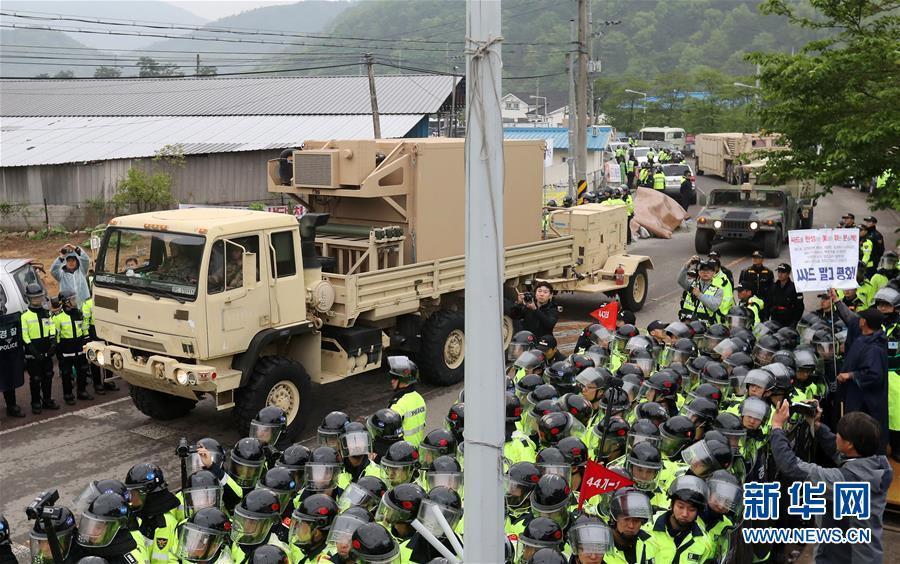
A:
746	199
150	262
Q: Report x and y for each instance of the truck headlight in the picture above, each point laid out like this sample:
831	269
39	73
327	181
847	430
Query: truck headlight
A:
717	224
91	355
754	225
101	358
181	376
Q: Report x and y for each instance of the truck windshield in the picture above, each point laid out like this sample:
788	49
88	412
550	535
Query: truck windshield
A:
150	262
747	199
653	135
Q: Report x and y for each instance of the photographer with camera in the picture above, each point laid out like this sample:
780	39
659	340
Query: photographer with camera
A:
70	270
703	299
535	311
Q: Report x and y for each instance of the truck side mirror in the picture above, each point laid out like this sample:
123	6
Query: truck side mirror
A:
249	268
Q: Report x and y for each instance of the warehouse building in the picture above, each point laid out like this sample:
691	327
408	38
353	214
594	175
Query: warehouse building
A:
66	144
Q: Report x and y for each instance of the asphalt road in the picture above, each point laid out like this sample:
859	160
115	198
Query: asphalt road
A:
103	438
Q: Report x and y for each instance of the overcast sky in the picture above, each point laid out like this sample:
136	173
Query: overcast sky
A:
215	9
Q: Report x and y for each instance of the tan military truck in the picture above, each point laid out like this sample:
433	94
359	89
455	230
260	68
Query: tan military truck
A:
725	154
251	307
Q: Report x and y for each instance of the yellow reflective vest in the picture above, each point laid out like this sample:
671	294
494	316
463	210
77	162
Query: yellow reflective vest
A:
411	407
659	181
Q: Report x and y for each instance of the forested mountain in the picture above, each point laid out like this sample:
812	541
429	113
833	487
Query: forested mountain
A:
18	45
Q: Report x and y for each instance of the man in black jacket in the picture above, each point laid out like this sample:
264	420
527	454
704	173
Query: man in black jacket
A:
871	223
783	303
757	276
536	311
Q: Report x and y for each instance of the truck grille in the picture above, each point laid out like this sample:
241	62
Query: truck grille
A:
733	225
143	344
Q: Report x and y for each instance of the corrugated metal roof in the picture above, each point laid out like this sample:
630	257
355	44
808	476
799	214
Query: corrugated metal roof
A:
56	140
560	136
226	96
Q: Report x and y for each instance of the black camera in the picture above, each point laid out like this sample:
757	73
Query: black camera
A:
528	297
43	505
184	449
803	408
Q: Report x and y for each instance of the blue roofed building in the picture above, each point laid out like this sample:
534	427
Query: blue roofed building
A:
557	174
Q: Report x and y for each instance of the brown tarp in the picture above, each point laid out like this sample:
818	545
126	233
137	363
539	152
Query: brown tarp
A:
656	212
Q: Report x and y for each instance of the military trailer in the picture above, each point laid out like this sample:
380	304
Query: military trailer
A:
251	307
726	154
757	211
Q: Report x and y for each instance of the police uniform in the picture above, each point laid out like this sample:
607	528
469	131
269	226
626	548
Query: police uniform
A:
87	314
693	546
892	333
519	448
39	336
411	406
755	305
759	278
70	336
659	181
642	551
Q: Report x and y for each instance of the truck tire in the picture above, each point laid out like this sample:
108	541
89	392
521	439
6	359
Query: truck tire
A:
634	294
729	173
703	241
772	244
159	405
278	381
508	330
442	353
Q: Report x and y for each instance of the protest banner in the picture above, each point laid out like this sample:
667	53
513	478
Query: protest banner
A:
824	258
606	315
598	479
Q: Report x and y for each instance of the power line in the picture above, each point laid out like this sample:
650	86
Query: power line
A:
240	73
43	16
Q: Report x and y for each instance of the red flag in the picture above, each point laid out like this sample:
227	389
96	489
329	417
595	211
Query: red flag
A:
606	315
598	480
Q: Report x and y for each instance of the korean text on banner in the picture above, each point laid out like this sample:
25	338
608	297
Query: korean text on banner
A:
598	479
824	258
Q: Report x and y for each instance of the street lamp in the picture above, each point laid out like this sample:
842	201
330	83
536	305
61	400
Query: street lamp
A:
539	98
644	118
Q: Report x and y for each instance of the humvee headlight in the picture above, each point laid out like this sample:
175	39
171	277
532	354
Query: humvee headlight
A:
701	220
754	225
717	224
181	376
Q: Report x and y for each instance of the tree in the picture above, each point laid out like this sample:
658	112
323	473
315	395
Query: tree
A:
107	72
64	74
42	75
145	189
207	70
150	67
835	101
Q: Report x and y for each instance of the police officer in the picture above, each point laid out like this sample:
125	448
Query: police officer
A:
659	179
406	400
310	523
103	531
517	446
154	506
866	248
871	223
97	373
589	540
6	553
751	302
783	303
203	537
70	336
758	277
703	299
676	533
371	542
629	511
39	336
252	523
887	301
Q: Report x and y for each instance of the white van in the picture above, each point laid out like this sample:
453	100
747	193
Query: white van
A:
661	136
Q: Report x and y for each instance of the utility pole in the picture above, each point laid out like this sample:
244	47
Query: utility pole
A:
581	103
452	128
198	65
376	120
484	386
570	67
590	50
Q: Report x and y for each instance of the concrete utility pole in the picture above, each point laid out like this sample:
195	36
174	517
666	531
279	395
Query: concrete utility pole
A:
570	67
376	120
581	103
484	387
590	55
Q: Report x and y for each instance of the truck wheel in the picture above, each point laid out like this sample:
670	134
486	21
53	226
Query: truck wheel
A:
634	294
703	241
772	244
159	405
443	350
729	173
277	381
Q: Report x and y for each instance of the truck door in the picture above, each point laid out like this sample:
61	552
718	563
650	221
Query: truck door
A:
287	288
235	311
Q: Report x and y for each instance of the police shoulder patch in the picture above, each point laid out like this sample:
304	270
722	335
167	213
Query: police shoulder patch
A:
161	543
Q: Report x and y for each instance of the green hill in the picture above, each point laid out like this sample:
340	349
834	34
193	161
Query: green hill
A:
17	46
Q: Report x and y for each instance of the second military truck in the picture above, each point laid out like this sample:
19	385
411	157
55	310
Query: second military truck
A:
251	307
